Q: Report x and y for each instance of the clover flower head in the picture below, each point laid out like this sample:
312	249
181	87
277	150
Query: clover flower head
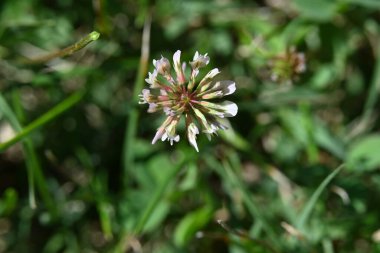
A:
182	96
288	66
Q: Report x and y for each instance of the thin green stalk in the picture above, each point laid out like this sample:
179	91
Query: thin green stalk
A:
307	120
229	175
327	246
249	201
45	118
306	212
68	50
32	164
12	119
131	129
158	194
38	178
374	90
151	206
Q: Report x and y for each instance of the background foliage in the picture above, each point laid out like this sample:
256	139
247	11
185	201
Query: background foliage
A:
82	180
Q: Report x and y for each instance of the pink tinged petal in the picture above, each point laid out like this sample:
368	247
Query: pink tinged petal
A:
158	135
162	66
178	68
194	73
202	119
170	129
144	96
191	84
224	109
219	89
167	130
168	111
177	59
153	81
199	61
206	81
192	131
153	107
161	130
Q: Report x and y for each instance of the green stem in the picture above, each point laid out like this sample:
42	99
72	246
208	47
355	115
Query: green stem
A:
68	50
373	91
48	116
32	164
131	129
34	168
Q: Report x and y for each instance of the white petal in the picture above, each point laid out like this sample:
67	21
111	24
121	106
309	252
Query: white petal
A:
178	67
196	55
206	81
212	73
175	138
228	87
199	61
219	89
162	65
161	133
164	136
158	135
192	131
225	109
152	107
231	109
177	57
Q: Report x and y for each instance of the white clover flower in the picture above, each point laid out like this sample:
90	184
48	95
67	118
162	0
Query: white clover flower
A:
176	98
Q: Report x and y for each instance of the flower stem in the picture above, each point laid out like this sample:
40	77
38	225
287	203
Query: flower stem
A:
131	129
68	50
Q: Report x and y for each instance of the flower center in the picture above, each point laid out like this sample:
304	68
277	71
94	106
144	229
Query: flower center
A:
185	98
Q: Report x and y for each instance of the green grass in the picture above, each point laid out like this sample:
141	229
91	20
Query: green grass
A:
296	172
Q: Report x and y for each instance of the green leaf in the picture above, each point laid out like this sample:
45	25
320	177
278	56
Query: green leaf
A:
8	201
364	153
235	139
365	3
317	10
192	223
160	212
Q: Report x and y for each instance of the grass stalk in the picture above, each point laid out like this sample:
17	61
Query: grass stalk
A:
131	129
45	118
306	212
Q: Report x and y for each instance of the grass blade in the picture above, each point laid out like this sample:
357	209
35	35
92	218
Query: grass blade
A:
305	214
45	118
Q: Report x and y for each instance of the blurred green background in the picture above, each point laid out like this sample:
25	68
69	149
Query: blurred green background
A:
81	175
